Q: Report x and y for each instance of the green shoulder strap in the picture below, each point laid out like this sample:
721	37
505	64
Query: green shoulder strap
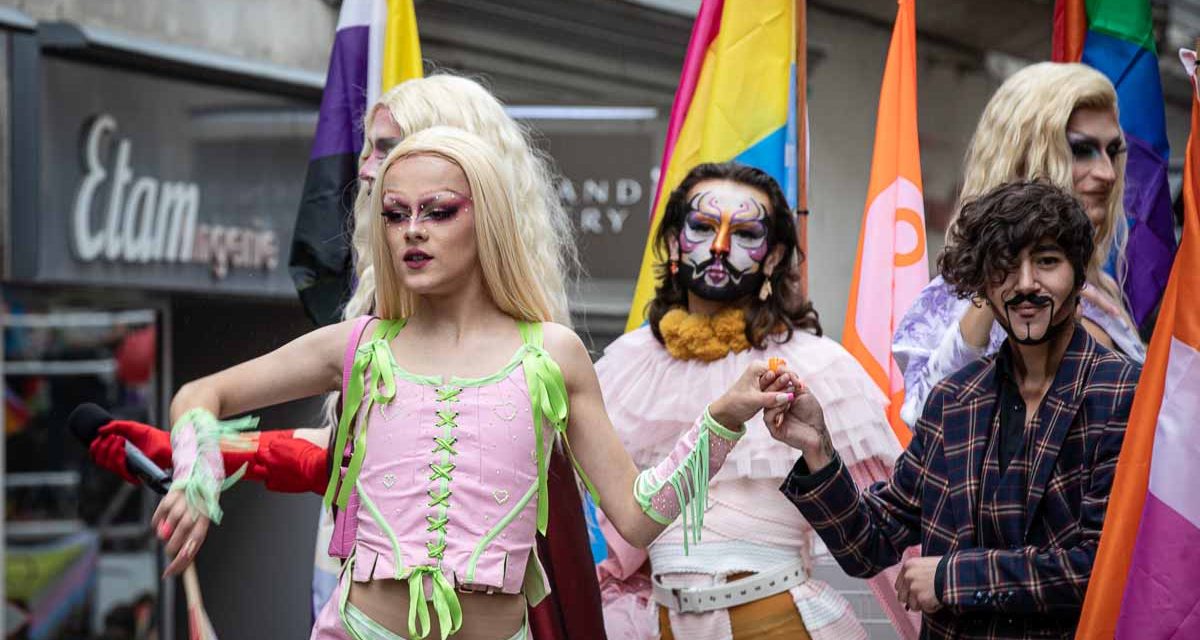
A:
548	397
374	354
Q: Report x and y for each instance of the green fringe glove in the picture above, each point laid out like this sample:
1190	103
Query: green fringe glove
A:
679	484
199	470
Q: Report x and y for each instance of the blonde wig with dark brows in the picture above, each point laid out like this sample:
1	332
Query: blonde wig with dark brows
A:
1022	135
506	253
454	101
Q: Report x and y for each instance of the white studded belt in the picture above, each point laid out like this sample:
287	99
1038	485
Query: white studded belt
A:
731	594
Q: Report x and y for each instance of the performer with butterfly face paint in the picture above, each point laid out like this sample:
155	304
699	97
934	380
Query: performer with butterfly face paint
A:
726	233
723	244
1006	480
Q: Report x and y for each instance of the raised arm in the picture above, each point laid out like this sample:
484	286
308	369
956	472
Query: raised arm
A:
641	505
866	532
306	366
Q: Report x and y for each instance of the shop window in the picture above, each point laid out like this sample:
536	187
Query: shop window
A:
80	559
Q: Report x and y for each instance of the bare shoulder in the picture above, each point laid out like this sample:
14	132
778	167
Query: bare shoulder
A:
567	349
330	342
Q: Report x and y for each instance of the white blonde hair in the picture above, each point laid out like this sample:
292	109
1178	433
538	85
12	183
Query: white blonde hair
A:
507	256
1022	135
447	100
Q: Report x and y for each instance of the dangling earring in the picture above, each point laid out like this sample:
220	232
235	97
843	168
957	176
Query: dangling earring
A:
765	292
673	267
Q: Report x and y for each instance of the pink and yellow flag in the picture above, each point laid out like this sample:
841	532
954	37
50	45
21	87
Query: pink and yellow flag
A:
892	265
1144	583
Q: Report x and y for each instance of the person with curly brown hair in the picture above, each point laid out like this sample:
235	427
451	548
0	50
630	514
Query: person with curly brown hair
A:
1050	121
1006	480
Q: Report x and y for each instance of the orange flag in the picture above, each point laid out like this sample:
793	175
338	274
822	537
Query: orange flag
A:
893	262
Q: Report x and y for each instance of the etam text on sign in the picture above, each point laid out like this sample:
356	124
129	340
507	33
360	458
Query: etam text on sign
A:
154	221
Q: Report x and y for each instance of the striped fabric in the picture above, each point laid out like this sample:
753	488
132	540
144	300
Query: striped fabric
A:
374	48
1024	574
893	263
735	101
1116	37
1151	542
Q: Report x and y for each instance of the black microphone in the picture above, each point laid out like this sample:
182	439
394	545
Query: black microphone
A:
85	422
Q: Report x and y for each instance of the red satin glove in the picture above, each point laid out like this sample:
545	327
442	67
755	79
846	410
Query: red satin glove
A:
284	463
291	465
108	449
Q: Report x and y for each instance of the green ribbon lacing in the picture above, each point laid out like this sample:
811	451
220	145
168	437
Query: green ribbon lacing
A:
376	356
201	488
689	480
445	603
548	395
445	600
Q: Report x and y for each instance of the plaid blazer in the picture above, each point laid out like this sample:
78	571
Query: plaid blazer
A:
1029	582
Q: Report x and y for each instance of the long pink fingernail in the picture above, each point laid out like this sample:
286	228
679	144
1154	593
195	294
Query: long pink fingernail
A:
164	530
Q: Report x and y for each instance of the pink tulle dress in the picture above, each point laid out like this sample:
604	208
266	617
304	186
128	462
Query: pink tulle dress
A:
749	526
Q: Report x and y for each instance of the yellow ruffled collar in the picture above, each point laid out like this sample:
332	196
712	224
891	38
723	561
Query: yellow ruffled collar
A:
695	336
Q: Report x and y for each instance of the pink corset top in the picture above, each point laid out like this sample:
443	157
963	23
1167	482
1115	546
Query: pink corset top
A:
450	480
444	480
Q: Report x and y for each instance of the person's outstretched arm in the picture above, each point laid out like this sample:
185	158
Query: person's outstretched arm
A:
866	532
640	505
307	366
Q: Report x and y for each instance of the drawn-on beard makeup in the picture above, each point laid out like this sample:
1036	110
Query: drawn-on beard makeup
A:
1021	330
723	243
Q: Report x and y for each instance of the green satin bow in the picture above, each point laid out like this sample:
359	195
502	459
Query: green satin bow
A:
445	603
375	355
548	395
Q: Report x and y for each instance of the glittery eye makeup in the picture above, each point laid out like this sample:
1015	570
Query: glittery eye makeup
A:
441	207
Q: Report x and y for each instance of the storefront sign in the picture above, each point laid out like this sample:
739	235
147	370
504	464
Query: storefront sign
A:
154	182
149	220
606	189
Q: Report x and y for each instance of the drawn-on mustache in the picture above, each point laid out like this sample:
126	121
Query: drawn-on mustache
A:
735	275
1032	298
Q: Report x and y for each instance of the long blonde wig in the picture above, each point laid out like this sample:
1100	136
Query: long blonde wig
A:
1022	135
447	100
507	255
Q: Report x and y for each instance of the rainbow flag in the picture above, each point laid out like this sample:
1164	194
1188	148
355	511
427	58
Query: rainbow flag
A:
376	47
736	101
52	581
1144	582
1116	37
893	262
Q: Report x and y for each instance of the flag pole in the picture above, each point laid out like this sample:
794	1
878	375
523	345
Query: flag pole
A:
801	9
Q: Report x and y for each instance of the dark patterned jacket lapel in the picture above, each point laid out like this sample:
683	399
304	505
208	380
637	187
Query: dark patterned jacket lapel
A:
965	432
1057	412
